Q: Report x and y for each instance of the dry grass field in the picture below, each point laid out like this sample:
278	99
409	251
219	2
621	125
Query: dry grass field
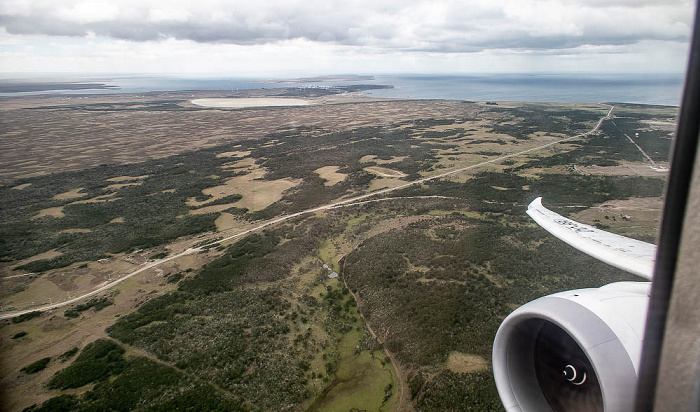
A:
330	175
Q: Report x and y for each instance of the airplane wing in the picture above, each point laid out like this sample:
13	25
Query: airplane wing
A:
630	255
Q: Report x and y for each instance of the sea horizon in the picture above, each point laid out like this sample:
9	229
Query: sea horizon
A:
637	88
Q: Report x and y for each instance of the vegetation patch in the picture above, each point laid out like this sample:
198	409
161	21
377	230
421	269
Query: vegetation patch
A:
19	335
437	289
117	186
209	321
174	278
98	360
363	380
67	354
148	215
279	348
239	329
234	153
97	304
125	384
37	366
26	316
449	391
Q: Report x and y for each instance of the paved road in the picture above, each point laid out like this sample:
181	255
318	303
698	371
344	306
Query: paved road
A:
334	205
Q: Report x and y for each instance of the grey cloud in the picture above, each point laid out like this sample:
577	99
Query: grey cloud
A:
464	27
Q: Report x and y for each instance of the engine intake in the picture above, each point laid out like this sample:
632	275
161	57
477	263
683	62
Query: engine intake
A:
573	351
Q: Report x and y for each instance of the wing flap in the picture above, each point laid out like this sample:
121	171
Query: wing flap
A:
630	255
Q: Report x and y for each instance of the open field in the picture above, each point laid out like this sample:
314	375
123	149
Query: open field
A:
362	380
384	172
633	217
462	363
330	175
255	319
256	193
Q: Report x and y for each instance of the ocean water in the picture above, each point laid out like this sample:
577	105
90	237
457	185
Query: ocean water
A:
662	89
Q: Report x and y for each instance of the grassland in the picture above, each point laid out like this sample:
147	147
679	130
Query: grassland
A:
363	380
330	175
256	323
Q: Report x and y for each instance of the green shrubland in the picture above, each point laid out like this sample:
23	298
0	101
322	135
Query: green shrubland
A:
130	384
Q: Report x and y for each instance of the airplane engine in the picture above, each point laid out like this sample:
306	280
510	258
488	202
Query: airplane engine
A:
573	351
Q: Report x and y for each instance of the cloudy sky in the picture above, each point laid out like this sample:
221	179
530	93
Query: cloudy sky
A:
306	37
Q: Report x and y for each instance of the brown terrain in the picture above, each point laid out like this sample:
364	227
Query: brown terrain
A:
35	141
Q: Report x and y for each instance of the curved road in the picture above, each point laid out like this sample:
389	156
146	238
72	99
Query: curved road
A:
334	205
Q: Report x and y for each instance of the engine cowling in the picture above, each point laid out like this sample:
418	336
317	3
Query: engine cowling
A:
573	351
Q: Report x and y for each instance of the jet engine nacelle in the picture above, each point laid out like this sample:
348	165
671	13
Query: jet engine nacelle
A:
573	351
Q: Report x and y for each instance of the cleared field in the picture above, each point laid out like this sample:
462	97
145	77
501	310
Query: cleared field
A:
233	154
627	168
384	172
76	230
46	255
119	179
97	199
225	221
635	217
71	194
118	186
459	362
330	174
212	209
56	212
374	158
257	193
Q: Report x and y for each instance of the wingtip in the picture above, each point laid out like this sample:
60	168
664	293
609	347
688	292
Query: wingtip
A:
535	203
630	255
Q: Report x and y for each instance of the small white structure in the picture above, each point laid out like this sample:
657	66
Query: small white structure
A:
333	274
